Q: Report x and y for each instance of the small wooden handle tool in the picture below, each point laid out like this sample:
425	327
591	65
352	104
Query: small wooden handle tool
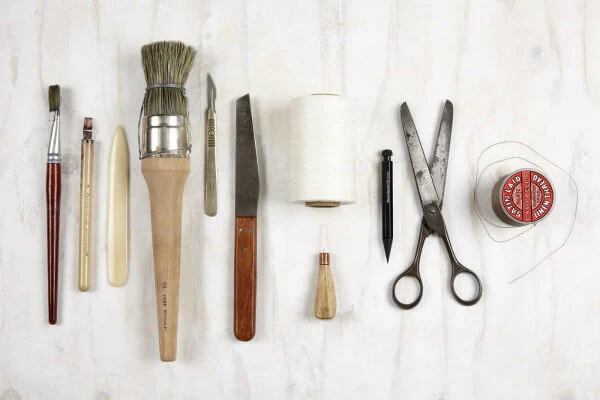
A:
166	179
325	303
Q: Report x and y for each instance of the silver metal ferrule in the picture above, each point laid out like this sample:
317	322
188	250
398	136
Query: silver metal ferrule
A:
164	136
54	143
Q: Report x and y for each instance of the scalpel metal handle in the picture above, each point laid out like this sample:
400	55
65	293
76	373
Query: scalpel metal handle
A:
210	174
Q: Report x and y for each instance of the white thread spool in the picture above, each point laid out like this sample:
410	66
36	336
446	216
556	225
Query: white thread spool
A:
322	146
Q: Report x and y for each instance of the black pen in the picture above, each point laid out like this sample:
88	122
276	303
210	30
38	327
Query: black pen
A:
387	202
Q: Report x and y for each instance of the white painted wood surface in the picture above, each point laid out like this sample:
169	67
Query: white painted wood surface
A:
520	70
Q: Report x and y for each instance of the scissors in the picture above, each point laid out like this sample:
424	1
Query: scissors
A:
430	185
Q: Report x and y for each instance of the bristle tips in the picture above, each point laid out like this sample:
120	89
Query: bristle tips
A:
166	63
54	98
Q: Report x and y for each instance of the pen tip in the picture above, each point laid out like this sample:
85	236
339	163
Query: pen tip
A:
387	245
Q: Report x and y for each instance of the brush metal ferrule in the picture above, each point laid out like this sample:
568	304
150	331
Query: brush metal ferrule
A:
164	136
54	143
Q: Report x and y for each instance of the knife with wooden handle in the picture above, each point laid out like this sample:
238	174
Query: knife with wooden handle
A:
247	187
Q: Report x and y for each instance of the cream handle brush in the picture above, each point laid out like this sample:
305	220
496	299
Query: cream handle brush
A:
85	207
165	146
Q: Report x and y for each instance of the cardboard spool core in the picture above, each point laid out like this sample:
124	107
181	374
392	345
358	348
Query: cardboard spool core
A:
322	204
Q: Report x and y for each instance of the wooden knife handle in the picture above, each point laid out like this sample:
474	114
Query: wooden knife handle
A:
166	179
244	313
53	223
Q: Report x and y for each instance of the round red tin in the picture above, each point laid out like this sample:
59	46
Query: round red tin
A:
523	197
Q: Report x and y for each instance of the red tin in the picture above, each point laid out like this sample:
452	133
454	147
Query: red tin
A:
523	197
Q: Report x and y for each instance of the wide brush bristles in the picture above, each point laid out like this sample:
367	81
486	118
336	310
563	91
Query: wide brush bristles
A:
166	63
54	98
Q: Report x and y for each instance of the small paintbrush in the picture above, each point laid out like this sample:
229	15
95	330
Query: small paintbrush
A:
53	189
85	206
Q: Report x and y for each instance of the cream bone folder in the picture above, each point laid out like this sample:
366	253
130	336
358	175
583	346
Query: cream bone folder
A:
118	210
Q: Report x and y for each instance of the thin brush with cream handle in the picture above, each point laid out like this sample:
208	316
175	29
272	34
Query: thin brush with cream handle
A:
85	207
118	210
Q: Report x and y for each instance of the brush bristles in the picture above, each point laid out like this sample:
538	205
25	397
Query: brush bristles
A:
166	63
54	98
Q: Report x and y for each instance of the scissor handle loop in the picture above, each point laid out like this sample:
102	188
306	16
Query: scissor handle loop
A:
458	270
410	273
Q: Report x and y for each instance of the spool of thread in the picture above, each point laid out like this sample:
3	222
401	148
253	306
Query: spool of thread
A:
523	197
322	144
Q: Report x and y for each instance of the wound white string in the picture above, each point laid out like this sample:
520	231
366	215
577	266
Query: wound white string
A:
322	147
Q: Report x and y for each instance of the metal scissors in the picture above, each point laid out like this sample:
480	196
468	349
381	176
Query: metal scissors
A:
430	185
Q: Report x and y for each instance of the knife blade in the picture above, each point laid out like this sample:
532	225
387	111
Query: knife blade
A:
247	187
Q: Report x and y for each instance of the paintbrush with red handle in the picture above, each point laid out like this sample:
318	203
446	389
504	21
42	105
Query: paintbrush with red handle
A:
53	200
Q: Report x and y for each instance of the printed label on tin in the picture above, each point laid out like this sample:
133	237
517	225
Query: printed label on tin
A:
527	196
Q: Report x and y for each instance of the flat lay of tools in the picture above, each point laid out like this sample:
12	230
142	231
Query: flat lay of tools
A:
322	179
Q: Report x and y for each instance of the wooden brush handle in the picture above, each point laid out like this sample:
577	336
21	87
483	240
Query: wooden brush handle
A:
244	312
53	223
166	179
325	303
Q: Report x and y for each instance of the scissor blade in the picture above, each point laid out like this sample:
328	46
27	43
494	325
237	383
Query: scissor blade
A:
439	166
423	178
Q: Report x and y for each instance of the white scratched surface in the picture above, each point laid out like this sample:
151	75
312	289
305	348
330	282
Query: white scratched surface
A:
526	70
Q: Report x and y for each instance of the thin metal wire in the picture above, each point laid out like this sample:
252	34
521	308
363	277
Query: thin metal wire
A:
142	109
482	218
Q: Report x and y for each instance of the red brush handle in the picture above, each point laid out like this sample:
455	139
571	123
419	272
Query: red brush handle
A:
53	220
